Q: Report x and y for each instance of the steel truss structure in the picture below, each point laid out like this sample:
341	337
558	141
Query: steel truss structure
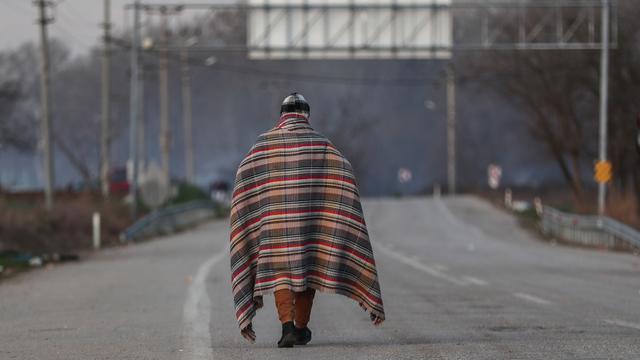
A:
409	30
412	30
395	29
536	25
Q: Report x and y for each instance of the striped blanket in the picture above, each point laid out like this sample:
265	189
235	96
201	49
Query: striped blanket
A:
297	223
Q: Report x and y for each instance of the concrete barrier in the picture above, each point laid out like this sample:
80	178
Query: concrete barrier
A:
169	220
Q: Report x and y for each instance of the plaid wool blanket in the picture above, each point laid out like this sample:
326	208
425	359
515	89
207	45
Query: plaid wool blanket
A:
297	223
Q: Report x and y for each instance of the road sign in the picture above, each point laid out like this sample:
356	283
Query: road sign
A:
404	175
339	29
494	174
154	190
603	172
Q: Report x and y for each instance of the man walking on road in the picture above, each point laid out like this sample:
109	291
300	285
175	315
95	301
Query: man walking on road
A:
297	227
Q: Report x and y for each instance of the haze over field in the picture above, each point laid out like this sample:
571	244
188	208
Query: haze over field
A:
382	123
484	202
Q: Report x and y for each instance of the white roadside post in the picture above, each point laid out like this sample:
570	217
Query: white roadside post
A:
96	230
508	198
538	204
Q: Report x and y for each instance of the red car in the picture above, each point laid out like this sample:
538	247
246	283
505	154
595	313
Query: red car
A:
118	182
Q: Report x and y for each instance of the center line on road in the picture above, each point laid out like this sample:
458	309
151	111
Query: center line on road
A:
440	267
475	281
532	298
476	233
420	266
197	313
623	323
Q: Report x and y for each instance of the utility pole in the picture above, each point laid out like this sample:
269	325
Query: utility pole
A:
186	111
163	68
142	145
451	129
105	136
604	100
46	126
134	107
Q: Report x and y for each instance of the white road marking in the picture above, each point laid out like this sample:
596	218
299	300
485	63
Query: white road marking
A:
532	298
622	323
197	312
420	266
440	267
475	281
474	231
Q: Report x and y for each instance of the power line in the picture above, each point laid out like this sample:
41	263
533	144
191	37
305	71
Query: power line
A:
15	6
73	17
246	70
61	13
70	35
324	79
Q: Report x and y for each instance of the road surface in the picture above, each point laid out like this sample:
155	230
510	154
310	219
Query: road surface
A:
459	279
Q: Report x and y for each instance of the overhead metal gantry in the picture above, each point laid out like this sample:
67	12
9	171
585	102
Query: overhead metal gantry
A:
411	29
404	29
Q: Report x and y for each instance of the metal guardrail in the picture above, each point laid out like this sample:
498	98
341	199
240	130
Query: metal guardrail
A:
168	220
589	229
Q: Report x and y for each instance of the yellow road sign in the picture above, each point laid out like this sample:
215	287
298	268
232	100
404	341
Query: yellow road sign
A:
603	172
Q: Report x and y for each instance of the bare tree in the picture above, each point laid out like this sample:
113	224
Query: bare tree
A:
559	93
11	133
555	89
75	96
624	104
350	133
19	87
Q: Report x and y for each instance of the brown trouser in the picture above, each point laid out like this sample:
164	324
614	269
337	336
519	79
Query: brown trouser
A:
294	306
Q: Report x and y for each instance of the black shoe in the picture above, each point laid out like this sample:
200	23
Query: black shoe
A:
288	338
303	336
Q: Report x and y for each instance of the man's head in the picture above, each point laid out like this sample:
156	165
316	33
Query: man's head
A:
295	103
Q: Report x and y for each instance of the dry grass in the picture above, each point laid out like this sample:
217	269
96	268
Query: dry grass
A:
26	227
624	207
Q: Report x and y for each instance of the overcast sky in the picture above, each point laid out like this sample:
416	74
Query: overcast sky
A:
76	21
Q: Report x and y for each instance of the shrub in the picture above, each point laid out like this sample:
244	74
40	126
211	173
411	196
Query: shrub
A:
188	192
27	227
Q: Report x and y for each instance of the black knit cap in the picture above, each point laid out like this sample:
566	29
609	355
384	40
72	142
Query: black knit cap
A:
295	103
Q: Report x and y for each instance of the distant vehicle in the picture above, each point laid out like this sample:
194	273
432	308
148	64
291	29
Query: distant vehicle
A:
219	191
118	182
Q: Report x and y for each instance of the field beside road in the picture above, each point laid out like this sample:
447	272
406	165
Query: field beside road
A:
459	278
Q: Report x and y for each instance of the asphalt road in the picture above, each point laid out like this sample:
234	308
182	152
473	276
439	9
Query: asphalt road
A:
459	279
